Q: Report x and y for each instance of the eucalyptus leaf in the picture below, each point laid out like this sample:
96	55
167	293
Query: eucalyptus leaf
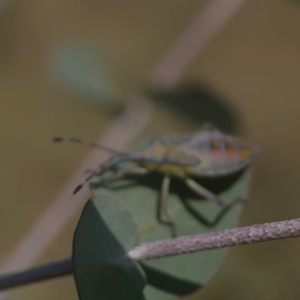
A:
105	233
84	71
181	274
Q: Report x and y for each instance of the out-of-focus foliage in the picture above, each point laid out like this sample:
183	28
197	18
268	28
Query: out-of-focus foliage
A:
295	1
84	71
3	3
197	103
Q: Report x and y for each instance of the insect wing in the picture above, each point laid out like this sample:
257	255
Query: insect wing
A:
220	154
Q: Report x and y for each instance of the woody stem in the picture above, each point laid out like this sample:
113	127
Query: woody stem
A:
176	246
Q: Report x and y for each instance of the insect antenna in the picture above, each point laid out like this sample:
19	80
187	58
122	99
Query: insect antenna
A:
80	186
125	156
61	139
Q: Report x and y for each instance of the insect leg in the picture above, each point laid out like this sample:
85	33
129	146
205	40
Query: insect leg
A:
100	170
124	172
200	190
163	206
203	219
131	171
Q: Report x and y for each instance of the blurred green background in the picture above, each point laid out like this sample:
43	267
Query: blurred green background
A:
253	64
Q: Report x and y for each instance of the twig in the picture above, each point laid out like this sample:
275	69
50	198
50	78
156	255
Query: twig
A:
47	271
151	250
229	237
205	27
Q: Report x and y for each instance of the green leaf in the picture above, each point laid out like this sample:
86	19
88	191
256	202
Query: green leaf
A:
83	70
105	233
181	274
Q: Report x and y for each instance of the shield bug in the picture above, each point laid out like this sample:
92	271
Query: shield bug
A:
206	153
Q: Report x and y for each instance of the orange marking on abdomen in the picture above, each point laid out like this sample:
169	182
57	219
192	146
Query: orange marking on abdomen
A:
230	151
217	152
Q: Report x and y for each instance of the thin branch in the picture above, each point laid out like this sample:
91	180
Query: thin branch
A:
47	271
220	239
205	27
151	250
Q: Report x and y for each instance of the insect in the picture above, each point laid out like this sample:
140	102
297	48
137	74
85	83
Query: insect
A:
201	154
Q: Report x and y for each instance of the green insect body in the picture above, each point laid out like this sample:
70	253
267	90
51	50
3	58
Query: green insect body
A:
206	153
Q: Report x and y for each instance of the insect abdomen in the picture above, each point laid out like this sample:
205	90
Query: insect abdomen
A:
221	154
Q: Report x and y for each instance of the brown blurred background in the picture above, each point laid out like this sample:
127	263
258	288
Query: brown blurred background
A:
254	62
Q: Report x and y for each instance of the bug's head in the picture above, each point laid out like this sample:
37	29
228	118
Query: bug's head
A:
123	156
